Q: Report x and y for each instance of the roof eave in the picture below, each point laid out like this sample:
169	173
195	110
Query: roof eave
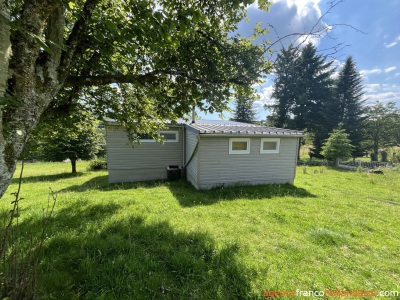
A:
299	135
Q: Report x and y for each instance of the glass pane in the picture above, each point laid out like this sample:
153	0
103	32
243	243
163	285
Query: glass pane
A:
145	136
269	146
169	136
239	145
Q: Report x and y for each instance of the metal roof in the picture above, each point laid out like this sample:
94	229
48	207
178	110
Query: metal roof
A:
221	127
224	127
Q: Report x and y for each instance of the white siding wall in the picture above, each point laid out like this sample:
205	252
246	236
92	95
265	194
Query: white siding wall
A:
191	169
146	161
217	166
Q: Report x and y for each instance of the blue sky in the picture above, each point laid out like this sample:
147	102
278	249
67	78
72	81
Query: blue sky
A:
367	30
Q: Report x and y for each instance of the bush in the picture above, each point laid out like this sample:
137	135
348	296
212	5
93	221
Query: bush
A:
97	164
374	157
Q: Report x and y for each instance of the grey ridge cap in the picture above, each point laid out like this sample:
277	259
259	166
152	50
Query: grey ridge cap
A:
179	123
230	128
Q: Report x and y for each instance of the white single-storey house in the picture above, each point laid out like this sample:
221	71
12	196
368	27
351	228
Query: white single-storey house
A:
212	153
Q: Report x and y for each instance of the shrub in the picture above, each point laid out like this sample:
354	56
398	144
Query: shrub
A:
97	164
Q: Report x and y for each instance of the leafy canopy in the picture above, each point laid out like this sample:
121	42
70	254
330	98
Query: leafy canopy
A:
73	137
162	57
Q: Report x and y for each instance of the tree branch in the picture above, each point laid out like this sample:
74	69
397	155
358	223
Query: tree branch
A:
79	30
29	30
146	78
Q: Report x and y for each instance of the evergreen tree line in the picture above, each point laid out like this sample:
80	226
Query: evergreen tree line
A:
308	97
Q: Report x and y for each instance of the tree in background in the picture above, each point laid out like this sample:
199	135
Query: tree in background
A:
244	110
347	106
72	137
382	126
337	145
171	54
285	87
303	87
315	91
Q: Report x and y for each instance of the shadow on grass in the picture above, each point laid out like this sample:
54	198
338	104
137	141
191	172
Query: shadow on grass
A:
101	183
188	196
88	255
44	178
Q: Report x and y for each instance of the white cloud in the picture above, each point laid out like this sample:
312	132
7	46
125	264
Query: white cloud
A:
397	74
390	69
382	92
288	18
372	87
369	72
265	96
394	43
390	45
383	97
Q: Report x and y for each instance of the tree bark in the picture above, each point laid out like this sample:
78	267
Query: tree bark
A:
73	165
6	167
28	76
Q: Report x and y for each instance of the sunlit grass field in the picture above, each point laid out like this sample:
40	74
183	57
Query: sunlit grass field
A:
332	230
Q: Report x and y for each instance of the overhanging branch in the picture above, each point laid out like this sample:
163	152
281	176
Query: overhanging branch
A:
79	30
149	78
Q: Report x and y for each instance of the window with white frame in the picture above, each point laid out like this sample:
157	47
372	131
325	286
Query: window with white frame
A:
270	145
239	146
168	136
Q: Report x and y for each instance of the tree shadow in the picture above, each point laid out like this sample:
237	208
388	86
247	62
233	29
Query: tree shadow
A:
89	255
101	183
44	178
188	196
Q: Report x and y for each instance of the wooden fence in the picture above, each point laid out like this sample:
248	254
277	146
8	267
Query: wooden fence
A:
365	164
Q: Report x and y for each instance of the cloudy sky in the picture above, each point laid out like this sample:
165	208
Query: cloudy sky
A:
367	30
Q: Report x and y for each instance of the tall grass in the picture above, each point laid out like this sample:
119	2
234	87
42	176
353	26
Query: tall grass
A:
333	229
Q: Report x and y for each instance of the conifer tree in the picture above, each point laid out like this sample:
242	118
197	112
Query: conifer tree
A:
285	90
338	145
244	110
347	106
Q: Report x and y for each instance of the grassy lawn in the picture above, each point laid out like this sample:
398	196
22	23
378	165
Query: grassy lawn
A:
165	240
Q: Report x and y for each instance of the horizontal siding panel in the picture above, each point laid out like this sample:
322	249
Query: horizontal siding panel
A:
217	166
191	169
121	155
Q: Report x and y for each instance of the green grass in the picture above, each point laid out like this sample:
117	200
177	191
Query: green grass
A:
333	229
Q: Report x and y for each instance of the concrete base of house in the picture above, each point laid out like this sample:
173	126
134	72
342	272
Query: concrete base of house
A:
137	175
116	176
208	186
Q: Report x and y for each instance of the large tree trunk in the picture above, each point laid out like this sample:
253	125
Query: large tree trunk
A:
7	167
31	84
73	165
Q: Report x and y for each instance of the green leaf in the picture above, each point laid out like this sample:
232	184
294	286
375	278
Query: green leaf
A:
43	45
99	36
112	27
40	41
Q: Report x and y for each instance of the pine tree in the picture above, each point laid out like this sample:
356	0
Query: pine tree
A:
347	105
285	90
314	92
244	110
338	145
303	86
